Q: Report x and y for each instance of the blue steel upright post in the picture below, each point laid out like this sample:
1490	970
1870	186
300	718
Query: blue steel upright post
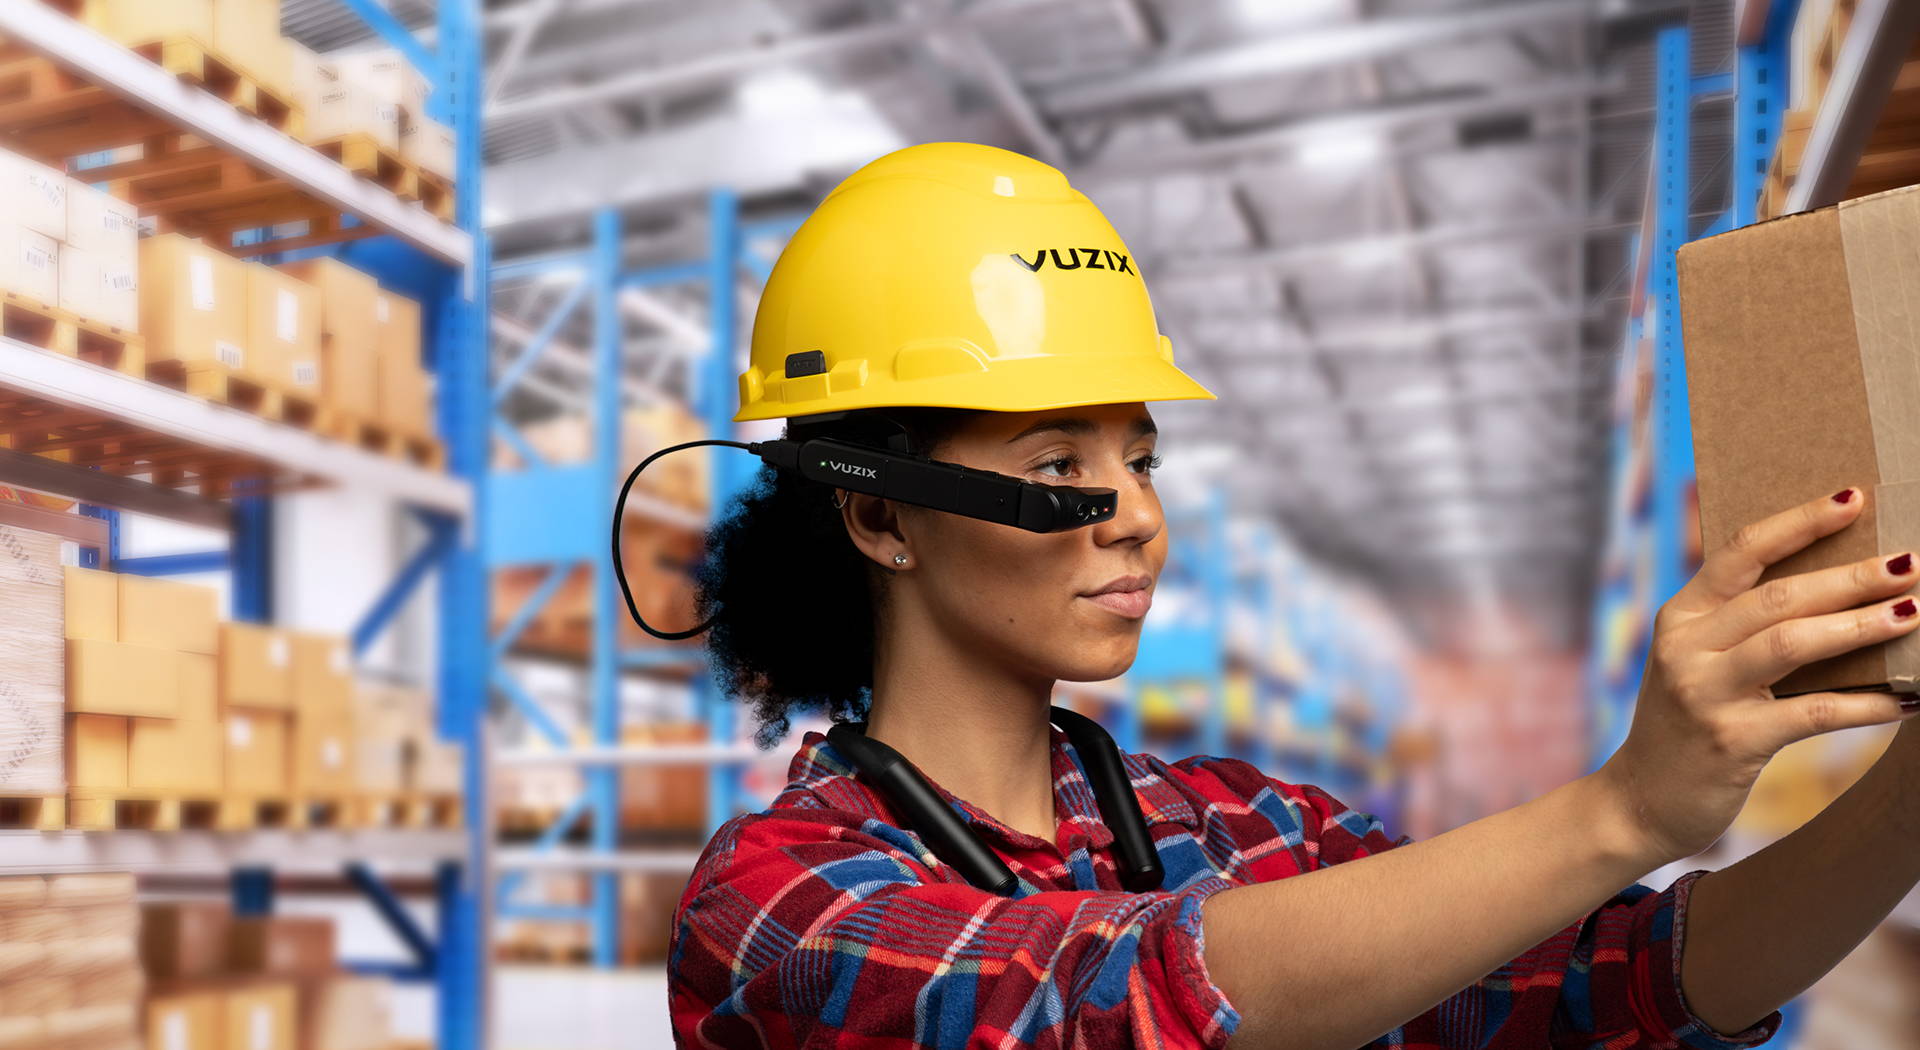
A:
1671	422
729	467
603	781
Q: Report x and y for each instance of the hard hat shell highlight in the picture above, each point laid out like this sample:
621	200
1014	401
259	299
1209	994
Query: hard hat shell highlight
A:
959	275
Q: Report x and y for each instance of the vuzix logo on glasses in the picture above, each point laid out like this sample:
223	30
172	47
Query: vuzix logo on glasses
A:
853	469
1075	258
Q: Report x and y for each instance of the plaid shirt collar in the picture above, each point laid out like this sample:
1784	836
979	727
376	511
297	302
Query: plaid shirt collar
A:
821	771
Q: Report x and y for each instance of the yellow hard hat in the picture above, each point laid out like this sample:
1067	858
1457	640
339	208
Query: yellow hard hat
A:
958	275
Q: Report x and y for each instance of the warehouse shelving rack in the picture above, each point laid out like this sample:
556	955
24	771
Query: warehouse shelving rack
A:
559	516
433	260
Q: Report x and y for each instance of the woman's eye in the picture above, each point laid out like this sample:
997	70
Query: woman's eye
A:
1065	463
1145	464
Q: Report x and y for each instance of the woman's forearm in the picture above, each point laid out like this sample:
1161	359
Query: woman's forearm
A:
1333	958
1763	930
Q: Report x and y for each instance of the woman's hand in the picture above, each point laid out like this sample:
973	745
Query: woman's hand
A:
1706	723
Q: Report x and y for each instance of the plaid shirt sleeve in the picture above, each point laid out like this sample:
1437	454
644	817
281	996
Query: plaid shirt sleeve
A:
811	927
1610	980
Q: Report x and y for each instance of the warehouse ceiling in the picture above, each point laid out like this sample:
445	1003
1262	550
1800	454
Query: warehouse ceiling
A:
1390	233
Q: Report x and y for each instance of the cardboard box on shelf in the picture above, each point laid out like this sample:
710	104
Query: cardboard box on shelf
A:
185	1020
281	946
402	398
29	264
436	767
388	76
33	195
1798	350
257	752
100	289
383	728
199	687
31	651
348	357
121	678
92	600
259	1016
345	108
135	22
103	224
322	676
247	34
346	1013
97	752
323	755
283	327
193	304
184	939
175	755
256	666
429	144
168	614
664	797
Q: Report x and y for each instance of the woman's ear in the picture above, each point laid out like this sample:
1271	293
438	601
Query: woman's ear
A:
873	524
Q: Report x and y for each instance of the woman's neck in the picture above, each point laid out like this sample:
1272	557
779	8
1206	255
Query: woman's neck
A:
976	729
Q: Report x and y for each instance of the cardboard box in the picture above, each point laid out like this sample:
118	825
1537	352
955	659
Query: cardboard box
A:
184	940
429	144
387	75
259	1017
21	892
185	1020
199	687
135	22
168	614
323	755
1799	349
283	328
107	1027
258	758
193	304
98	288
256	666
322	678
103	224
281	946
247	33
348	355
346	1013
33	651
33	195
402	401
383	733
97	752
176	755
121	678
346	108
92	599
29	264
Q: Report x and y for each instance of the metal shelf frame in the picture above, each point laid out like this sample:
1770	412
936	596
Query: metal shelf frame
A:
436	263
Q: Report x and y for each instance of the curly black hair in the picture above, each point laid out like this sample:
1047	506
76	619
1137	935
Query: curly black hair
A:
793	601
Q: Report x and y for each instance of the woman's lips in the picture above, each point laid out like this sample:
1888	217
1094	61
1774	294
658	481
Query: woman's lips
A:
1132	604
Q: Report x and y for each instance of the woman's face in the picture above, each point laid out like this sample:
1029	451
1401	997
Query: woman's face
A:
1064	605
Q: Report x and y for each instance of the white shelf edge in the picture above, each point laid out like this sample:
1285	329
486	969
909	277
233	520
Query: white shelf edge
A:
104	62
316	851
56	377
661	755
594	860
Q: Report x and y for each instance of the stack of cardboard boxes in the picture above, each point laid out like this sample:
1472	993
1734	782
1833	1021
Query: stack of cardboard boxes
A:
222	982
141	714
377	93
397	749
65	244
69	966
203	307
245	34
31	691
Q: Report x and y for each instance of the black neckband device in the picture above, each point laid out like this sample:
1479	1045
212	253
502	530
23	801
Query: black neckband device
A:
895	473
913	797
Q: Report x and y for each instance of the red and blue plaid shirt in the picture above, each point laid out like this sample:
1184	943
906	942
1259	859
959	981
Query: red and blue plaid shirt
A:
822	922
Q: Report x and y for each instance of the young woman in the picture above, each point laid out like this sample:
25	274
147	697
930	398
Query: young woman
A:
945	301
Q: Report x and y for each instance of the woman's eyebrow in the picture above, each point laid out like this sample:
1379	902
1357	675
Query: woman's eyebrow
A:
1078	425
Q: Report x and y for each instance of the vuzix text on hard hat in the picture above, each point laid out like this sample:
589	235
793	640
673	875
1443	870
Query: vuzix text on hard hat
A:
1092	260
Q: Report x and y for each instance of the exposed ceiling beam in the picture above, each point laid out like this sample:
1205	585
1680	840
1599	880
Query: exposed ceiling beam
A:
1367	249
1302	50
502	71
1410	334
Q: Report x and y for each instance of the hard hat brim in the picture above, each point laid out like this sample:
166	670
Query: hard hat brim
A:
1030	384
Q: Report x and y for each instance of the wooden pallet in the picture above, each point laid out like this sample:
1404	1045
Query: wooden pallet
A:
419	449
58	331
436	195
33	812
225	79
90	809
217	382
361	154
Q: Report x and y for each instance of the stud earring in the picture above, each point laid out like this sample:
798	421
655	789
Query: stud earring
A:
899	559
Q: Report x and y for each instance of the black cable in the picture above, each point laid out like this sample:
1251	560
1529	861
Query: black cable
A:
620	515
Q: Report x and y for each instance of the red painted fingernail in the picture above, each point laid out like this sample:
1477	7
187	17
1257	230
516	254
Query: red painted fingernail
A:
1900	566
1905	609
1843	495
